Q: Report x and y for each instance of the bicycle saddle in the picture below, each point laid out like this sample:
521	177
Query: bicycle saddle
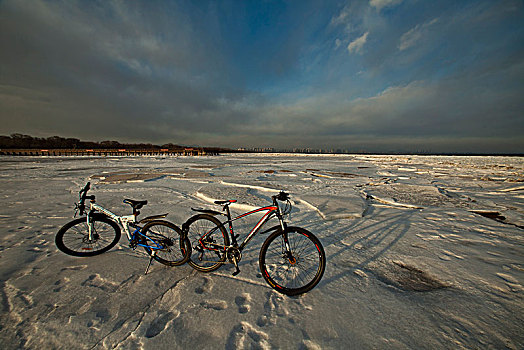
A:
229	201
135	204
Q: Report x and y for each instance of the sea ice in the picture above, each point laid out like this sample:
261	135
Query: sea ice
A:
422	252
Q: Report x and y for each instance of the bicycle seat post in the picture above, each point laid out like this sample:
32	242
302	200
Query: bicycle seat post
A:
230	223
226	204
228	212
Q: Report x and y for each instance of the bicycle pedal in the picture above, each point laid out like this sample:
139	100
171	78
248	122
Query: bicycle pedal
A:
237	271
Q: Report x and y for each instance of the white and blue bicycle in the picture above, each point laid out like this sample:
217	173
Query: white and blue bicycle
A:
100	230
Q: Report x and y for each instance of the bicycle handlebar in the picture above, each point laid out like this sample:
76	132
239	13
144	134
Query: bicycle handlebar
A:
83	191
83	196
282	196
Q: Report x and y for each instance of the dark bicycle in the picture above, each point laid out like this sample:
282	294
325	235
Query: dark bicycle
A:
292	259
100	230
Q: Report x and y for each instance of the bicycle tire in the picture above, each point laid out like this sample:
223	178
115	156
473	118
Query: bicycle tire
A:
298	274
204	257
175	251
73	239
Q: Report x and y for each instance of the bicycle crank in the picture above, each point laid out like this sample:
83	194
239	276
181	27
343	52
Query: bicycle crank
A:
234	256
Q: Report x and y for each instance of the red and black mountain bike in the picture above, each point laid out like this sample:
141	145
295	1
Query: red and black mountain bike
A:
292	259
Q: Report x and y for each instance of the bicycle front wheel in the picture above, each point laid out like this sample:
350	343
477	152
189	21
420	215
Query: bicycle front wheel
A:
295	270
73	238
166	241
209	241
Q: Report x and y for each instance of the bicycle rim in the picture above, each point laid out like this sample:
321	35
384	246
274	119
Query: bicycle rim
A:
296	271
73	238
164	238
208	242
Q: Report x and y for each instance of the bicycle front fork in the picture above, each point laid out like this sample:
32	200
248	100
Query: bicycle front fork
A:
287	254
89	228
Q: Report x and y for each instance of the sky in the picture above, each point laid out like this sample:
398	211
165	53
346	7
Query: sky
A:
365	75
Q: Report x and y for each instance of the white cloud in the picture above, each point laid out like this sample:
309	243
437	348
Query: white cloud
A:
380	4
409	38
412	36
356	45
341	18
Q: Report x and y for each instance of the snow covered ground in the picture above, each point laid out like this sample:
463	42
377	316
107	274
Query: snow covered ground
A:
422	252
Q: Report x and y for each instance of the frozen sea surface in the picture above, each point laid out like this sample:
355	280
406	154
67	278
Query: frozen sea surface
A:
422	252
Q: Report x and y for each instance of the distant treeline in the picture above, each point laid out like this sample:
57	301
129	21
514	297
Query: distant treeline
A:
20	141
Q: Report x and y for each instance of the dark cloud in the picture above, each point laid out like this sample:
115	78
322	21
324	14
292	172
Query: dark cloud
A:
108	71
426	76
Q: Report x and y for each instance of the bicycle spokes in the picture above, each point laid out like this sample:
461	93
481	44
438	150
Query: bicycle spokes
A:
292	262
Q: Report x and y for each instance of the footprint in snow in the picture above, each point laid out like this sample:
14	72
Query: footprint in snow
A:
158	325
206	287
214	304
245	336
243	303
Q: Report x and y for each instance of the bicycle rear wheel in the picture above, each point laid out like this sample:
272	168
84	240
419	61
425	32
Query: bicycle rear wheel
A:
173	249
293	271
208	240
73	237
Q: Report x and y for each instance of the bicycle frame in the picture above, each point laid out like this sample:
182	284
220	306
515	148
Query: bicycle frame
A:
126	222
270	211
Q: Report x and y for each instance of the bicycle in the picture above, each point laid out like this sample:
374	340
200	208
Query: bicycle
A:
291	259
100	230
